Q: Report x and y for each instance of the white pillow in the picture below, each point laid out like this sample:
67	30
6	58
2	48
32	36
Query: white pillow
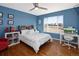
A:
24	31
27	31
30	31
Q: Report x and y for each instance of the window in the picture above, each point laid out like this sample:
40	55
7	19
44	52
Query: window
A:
53	24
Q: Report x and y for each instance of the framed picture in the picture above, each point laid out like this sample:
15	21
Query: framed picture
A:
1	15
10	16
39	21
1	18
10	19
1	22
10	22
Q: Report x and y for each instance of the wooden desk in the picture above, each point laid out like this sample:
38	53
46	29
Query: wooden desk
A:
74	35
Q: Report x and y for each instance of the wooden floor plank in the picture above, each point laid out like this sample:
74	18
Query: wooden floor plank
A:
48	49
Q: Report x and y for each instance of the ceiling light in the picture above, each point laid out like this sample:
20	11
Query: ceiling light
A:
36	8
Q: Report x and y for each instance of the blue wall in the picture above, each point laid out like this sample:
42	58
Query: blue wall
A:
70	19
77	9
19	18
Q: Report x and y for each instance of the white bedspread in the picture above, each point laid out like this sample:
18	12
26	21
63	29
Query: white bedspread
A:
35	39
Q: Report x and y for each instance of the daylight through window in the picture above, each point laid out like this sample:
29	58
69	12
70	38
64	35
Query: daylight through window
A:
53	24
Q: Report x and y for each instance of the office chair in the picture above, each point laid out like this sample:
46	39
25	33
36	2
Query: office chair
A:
67	39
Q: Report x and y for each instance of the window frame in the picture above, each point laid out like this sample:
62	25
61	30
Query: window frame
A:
57	23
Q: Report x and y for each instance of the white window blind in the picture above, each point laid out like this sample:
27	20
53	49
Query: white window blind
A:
53	24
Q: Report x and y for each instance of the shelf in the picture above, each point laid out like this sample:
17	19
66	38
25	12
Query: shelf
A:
16	40
13	38
14	44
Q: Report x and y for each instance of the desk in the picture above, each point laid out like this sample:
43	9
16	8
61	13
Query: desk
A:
74	35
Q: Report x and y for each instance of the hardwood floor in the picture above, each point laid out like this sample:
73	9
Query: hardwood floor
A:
48	49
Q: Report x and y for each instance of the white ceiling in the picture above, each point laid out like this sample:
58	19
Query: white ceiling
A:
52	7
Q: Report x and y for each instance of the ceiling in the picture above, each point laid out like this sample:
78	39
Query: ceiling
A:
52	7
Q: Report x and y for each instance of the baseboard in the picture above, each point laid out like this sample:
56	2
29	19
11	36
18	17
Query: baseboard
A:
55	39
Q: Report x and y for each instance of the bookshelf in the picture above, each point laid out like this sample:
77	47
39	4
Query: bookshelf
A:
13	38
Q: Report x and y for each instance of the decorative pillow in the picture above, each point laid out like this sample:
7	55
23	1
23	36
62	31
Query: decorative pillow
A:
12	29
6	29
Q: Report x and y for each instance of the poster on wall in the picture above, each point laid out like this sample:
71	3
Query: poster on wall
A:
0	22
10	22
39	21
10	16
10	19
1	18
1	15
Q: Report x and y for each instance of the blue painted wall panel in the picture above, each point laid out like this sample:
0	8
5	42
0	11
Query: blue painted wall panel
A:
20	18
70	19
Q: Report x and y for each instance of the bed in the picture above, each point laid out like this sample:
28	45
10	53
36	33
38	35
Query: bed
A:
34	39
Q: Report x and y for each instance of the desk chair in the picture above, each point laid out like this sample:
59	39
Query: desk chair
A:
67	39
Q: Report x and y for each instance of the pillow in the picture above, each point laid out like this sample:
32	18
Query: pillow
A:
30	31
24	31
27	31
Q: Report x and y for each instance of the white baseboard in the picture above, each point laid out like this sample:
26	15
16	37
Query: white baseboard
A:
55	39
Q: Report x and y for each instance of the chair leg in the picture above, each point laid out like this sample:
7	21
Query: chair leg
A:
72	46
69	45
64	44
